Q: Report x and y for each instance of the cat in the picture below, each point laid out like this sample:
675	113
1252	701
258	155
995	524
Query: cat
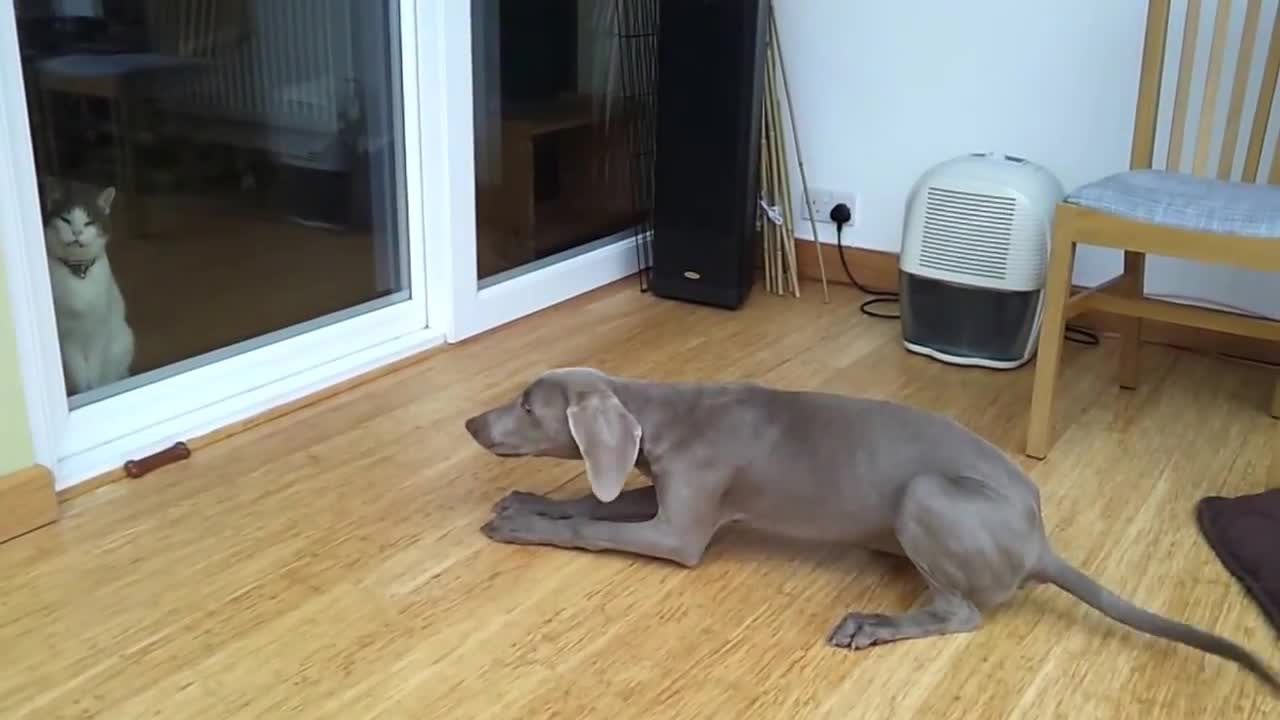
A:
97	341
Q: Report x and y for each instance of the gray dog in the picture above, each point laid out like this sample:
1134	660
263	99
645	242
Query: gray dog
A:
808	465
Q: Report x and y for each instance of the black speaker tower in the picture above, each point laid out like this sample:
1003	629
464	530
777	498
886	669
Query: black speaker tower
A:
706	170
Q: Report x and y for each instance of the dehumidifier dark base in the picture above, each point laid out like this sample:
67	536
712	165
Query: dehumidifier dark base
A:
971	326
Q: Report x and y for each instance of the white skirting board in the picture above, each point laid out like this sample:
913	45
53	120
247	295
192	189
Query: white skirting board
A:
82	466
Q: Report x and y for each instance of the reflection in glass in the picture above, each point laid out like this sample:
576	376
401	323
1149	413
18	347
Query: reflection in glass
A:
554	165
215	174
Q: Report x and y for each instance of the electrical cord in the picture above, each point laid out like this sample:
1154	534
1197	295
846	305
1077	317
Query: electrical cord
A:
840	215
1080	336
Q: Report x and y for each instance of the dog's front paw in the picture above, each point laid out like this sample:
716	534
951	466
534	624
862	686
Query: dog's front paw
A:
860	630
518	501
523	528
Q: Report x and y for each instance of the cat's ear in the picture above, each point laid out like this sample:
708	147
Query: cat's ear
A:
105	198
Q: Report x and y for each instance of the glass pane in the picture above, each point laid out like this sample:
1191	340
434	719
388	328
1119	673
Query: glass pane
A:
215	175
553	129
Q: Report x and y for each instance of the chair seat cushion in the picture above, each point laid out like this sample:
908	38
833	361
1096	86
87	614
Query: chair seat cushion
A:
1185	201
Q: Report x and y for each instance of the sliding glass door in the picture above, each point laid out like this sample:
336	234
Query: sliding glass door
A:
232	167
229	195
557	109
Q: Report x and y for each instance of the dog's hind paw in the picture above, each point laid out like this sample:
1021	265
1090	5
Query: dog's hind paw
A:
946	615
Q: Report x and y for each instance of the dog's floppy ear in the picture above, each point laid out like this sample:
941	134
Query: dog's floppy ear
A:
609	439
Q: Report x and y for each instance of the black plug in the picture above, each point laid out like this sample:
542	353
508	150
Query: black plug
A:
840	214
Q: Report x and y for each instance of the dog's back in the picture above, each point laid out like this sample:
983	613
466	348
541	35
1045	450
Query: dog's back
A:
829	467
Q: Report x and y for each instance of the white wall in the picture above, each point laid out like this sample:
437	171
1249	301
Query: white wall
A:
885	89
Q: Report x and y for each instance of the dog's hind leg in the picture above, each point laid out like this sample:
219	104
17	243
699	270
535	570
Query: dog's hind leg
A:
945	614
974	548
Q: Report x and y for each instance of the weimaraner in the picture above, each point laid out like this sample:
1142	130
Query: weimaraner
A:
809	465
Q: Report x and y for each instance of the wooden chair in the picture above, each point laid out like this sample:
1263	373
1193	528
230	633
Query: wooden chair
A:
1209	214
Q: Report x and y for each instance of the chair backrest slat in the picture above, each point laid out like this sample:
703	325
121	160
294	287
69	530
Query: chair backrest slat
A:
1262	110
1186	68
1206	86
1231	133
1209	100
1152	76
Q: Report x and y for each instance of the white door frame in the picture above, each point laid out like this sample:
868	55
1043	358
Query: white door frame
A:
440	205
22	244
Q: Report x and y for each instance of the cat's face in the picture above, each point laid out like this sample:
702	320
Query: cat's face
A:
76	219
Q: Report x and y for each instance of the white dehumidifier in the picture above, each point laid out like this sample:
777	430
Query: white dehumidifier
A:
974	250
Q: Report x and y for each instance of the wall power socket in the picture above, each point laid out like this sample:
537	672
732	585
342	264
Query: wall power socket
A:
821	201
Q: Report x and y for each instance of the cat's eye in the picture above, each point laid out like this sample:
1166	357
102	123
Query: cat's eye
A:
90	223
65	219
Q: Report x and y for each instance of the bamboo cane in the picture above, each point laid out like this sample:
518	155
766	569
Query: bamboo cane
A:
783	189
789	234
778	177
771	269
764	226
766	181
769	181
795	140
775	171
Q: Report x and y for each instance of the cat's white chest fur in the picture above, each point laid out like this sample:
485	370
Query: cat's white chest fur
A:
97	342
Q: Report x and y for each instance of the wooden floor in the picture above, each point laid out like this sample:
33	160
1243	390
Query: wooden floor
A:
329	564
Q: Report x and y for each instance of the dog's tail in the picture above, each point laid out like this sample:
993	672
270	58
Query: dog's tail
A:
1057	571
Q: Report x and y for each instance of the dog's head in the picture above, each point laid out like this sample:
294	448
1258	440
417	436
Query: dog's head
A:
566	413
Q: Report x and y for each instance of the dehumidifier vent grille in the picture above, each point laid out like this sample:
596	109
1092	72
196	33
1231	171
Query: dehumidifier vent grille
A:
967	232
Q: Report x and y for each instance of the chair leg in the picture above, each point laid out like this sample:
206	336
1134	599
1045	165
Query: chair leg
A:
1049	352
1135	264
